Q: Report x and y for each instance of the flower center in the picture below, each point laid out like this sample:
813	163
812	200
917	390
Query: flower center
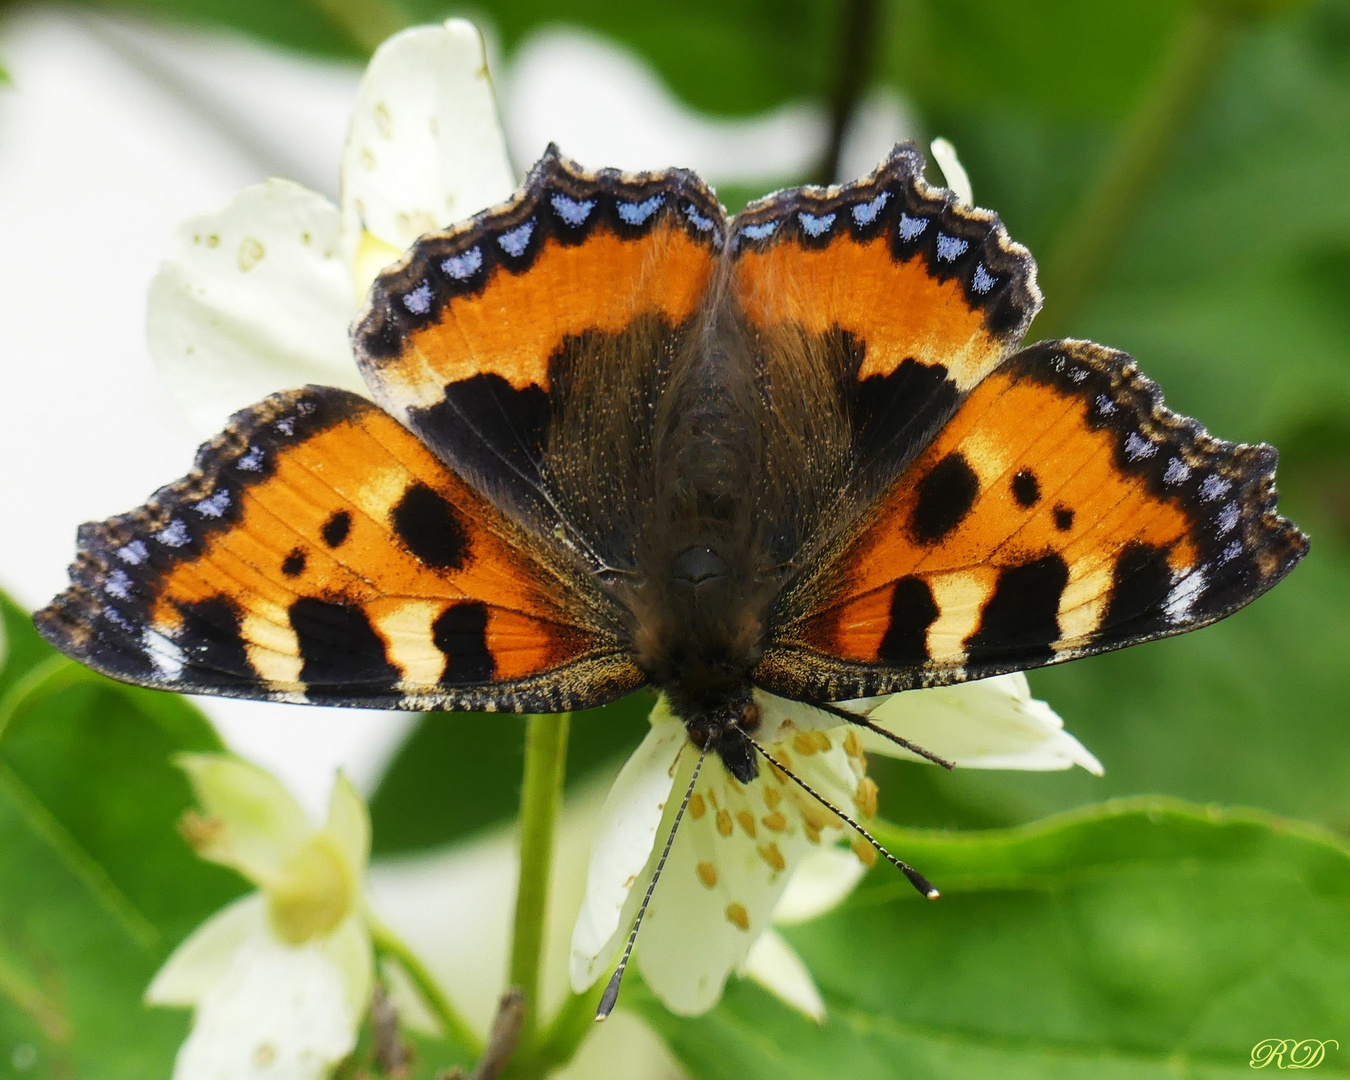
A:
313	894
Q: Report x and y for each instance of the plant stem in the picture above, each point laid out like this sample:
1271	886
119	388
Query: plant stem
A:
366	22
390	945
857	48
541	792
1142	149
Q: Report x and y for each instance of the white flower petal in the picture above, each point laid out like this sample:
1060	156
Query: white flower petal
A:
203	958
350	951
775	965
730	863
349	825
258	299
780	717
425	147
825	876
624	838
251	821
944	153
276	1012
990	724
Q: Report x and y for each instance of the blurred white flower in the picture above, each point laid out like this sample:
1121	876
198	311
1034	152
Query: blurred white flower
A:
260	294
280	979
741	845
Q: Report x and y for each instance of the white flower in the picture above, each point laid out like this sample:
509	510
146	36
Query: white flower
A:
261	294
740	846
281	978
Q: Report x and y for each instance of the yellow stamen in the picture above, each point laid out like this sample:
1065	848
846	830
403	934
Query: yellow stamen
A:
697	808
707	873
724	823
771	855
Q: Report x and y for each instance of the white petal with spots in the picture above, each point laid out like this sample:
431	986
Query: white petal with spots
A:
277	1011
823	880
730	864
990	724
425	148
257	299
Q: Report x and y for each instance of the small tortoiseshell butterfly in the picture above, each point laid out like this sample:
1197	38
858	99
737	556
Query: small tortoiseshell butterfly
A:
618	440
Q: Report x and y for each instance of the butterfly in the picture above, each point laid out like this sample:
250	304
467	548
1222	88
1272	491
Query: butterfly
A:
618	439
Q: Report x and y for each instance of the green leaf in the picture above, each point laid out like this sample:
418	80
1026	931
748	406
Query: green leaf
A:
98	885
1139	939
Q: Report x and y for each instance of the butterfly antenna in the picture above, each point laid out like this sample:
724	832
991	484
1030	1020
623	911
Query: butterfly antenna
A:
611	994
863	721
915	878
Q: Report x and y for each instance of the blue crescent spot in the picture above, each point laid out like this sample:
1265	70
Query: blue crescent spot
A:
761	231
1212	488
419	300
118	584
135	552
517	240
815	226
866	213
174	534
464	265
950	248
214	506
1177	471
252	461
701	223
572	211
982	280
1227	517
1137	447
1231	552
631	213
911	227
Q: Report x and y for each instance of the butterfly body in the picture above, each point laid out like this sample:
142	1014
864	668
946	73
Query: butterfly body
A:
619	440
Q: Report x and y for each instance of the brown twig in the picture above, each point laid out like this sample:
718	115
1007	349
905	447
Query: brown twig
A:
390	1053
502	1040
853	68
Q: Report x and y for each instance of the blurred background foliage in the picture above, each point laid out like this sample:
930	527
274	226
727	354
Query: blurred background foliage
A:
1228	276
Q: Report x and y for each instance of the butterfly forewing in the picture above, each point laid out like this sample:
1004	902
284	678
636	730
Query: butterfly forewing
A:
527	347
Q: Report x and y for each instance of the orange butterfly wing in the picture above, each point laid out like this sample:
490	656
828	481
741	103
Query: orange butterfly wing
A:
1062	511
319	552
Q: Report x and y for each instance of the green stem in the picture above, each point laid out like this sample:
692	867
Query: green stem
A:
1141	152
366	22
389	945
541	792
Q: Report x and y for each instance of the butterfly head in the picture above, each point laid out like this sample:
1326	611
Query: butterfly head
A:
723	730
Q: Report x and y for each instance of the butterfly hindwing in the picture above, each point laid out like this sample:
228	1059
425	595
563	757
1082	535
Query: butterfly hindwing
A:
319	552
1062	511
489	339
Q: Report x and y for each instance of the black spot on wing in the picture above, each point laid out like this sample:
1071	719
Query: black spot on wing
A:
336	528
896	415
461	634
431	528
1140	583
945	497
212	645
1025	488
294	563
487	428
913	611
340	649
1020	621
1063	517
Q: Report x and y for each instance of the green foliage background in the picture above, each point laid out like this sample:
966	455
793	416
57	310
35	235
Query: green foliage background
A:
1137	938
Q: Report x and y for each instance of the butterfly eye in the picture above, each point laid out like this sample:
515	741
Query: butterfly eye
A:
750	716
